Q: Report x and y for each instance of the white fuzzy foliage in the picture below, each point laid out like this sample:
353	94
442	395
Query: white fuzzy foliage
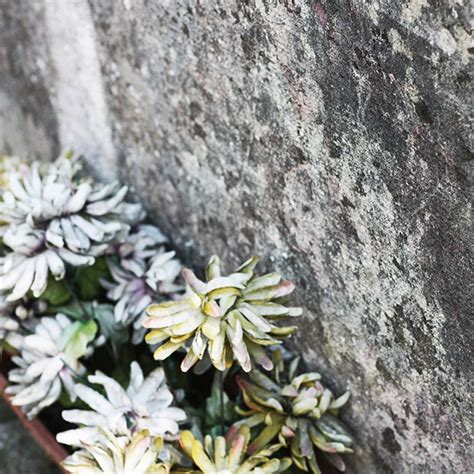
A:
44	366
145	405
54	217
145	271
17	318
117	454
9	325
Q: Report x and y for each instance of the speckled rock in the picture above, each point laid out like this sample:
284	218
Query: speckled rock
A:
331	137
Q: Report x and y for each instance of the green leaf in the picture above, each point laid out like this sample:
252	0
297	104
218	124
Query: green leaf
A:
113	331
76	337
213	406
76	310
56	292
88	279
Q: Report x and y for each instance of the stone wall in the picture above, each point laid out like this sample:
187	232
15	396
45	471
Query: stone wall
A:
330	137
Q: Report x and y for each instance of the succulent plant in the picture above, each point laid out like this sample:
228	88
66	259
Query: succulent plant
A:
49	361
17	319
145	271
77	213
52	218
118	455
227	455
27	268
139	245
9	325
145	405
299	411
232	317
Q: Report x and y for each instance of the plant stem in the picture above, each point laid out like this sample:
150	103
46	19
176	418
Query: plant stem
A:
77	300
221	400
87	316
81	378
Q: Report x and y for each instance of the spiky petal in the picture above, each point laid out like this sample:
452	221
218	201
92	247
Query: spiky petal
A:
49	361
118	454
52	218
146	404
224	318
228	455
144	272
18	319
298	410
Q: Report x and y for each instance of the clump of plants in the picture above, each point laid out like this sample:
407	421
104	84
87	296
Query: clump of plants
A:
156	370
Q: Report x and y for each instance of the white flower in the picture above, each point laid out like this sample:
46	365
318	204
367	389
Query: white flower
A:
16	318
75	212
29	265
144	405
53	218
9	325
118	455
225	318
48	361
138	246
144	271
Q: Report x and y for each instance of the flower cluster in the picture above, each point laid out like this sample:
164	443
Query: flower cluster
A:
143	271
58	225
298	410
85	281
53	218
17	318
144	405
225	317
228	454
118	454
49	361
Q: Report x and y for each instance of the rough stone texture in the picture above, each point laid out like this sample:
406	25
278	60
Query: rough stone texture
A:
331	137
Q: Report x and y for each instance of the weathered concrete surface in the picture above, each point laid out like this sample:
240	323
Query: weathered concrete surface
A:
331	137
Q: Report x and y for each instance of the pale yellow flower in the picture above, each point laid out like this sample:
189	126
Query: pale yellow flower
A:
228	455
297	410
118	455
225	318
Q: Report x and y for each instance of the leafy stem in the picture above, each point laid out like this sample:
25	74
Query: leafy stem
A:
76	298
221	401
